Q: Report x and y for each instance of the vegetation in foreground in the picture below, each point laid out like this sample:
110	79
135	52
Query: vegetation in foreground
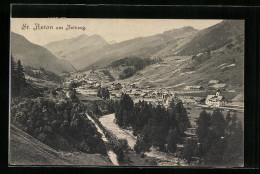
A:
154	126
218	140
51	117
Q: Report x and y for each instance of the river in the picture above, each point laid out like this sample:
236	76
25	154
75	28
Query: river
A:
163	159
108	122
110	153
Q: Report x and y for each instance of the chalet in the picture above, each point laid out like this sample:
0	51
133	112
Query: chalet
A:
213	82
194	87
216	100
220	86
117	86
133	85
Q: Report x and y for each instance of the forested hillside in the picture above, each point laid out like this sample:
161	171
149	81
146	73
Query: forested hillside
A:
50	116
127	67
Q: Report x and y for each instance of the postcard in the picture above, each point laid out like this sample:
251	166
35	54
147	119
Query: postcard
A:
126	92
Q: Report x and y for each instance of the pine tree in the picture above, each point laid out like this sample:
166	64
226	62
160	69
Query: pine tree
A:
218	123
228	117
190	150
20	75
203	124
234	151
172	140
99	92
14	77
181	117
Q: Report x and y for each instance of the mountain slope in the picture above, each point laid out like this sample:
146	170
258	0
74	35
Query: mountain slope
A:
26	150
214	37
64	47
171	41
36	56
225	61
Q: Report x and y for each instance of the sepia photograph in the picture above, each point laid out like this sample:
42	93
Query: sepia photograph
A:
126	92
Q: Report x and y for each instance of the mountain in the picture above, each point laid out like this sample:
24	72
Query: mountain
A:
112	42
195	65
214	37
36	56
166	44
64	47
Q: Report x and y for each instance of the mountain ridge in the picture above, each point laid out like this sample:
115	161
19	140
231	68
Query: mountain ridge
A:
65	46
36	56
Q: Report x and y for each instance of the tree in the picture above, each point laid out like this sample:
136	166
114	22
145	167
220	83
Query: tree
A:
143	142
228	117
18	81
121	149
218	123
203	124
190	149
181	117
172	104
107	95
172	140
14	77
233	154
111	106
20	74
96	109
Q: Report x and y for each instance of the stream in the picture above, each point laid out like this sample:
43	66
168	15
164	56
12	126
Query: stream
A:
163	159
110	153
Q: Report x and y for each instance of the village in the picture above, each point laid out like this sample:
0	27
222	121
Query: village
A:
90	82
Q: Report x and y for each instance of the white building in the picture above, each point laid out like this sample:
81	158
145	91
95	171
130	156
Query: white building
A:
216	100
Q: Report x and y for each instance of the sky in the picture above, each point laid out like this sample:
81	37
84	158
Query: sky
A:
110	29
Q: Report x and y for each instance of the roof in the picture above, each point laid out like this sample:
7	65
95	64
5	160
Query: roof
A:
219	85
214	98
213	81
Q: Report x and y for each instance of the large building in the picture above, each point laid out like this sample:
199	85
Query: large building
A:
216	100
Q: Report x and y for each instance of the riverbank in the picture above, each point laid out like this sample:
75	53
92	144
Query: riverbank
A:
154	157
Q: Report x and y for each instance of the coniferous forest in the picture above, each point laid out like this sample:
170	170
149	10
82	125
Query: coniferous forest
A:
219	139
154	126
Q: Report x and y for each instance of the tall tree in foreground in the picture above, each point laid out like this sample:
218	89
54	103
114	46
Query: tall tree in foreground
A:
181	117
172	140
203	124
14	78
20	75
18	81
190	150
234	151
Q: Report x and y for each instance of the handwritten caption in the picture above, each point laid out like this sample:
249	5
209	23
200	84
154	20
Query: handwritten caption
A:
38	26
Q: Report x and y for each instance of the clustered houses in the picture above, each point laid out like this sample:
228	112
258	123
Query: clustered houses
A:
89	85
155	97
216	100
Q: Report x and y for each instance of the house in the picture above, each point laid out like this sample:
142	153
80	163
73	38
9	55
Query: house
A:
194	87
213	82
219	86
216	100
133	85
117	86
